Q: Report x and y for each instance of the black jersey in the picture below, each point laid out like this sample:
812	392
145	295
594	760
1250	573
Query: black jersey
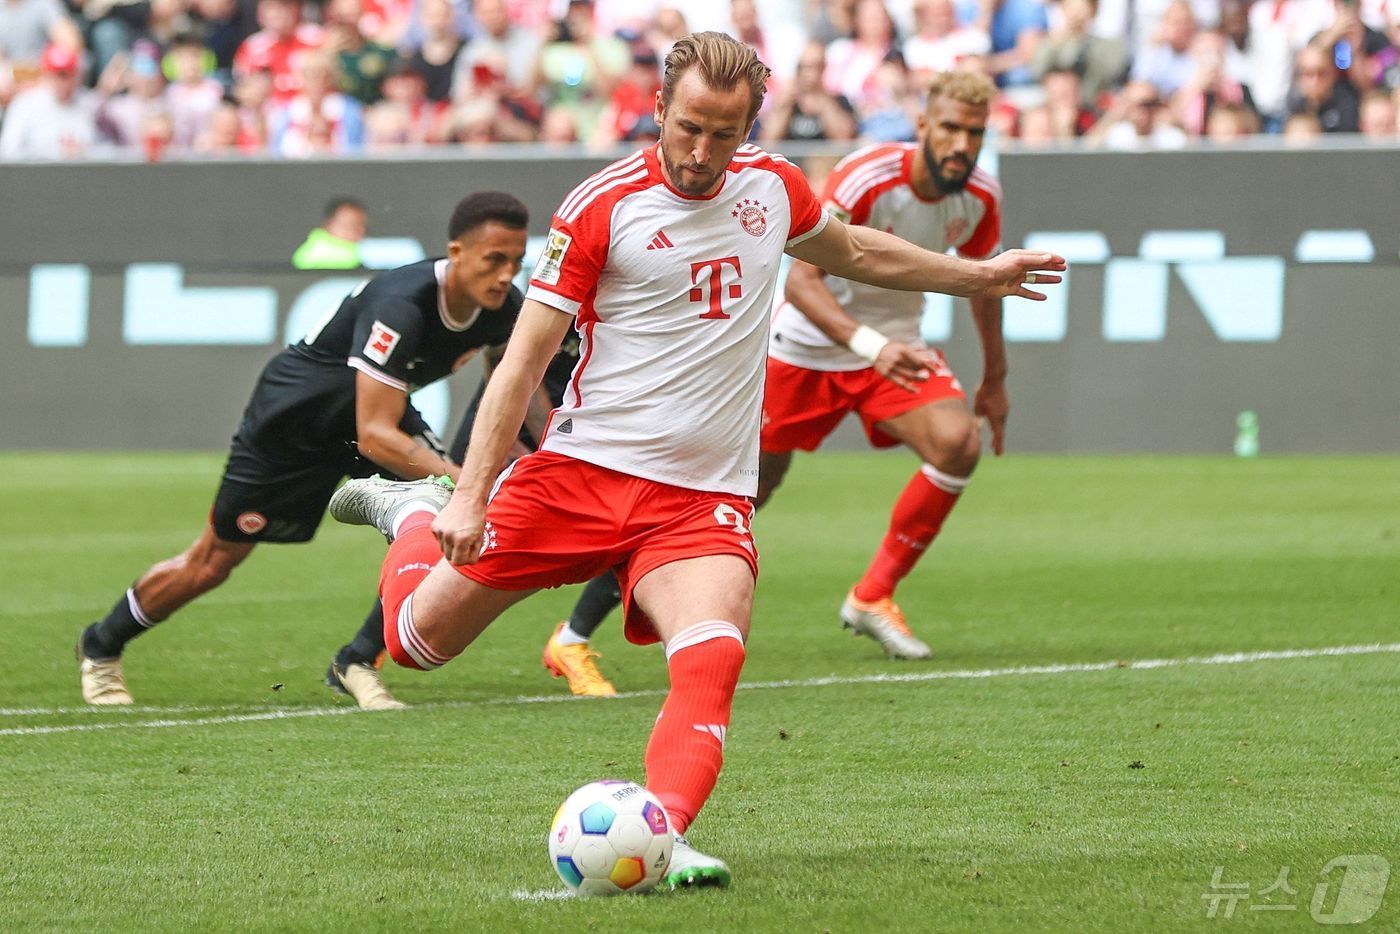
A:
393	328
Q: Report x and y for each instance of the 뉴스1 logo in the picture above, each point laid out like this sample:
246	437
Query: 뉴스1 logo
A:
752	216
552	257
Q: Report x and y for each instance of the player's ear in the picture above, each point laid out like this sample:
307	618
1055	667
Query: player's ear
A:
659	111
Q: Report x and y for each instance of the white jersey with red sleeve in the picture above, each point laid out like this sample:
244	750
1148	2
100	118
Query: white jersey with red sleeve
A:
672	297
872	188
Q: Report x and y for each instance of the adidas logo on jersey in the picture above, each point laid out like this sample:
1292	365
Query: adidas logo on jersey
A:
566	427
660	241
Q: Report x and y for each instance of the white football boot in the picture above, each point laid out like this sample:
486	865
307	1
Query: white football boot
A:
883	621
376	501
102	681
690	867
363	683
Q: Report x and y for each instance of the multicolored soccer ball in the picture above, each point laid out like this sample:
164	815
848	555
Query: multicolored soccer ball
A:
610	837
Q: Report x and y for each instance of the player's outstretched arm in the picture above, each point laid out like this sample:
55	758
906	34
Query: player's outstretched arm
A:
878	258
536	338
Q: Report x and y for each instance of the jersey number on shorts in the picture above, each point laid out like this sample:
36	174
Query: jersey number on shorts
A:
728	515
711	287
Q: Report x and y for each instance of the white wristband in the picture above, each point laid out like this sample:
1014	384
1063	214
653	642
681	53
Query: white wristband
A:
867	342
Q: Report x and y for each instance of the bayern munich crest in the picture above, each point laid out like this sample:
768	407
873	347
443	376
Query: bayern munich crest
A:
753	216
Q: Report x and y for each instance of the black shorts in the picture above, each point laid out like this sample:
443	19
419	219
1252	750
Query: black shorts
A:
281	503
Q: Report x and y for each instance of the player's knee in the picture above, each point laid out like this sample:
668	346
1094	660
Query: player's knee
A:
957	445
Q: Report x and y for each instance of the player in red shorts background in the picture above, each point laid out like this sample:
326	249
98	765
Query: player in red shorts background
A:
929	192
665	263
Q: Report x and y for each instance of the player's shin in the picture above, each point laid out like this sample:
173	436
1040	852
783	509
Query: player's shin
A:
412	555
918	515
686	749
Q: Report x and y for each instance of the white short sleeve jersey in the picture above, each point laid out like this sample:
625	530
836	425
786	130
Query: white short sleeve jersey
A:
872	187
672	296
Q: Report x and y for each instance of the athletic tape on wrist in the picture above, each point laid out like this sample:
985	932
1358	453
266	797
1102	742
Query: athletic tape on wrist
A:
867	342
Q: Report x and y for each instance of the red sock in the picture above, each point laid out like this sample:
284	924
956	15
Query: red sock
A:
918	515
410	558
687	744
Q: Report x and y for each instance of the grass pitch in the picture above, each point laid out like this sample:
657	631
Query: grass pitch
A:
992	790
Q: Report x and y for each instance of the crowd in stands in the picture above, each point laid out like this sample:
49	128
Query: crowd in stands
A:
158	79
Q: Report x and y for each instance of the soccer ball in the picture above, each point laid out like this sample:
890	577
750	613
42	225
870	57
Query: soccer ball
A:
610	837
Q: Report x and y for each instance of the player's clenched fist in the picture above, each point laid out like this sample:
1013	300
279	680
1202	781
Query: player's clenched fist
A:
460	530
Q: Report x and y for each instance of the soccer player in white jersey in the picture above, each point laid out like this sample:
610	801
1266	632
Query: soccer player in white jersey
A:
665	263
929	192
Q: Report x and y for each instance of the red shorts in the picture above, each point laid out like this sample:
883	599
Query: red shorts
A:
801	406
555	520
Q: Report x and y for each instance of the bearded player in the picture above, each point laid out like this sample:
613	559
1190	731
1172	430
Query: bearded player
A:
931	193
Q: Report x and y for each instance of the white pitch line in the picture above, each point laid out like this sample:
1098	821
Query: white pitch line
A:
1230	658
541	895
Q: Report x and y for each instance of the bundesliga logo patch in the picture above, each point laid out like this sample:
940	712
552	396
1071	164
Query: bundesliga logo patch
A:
382	341
752	216
552	259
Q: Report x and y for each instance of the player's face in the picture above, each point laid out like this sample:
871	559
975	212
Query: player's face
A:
951	134
483	262
700	130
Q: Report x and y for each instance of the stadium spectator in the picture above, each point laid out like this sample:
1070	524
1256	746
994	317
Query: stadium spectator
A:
112	27
1017	28
805	109
362	62
1148	19
192	95
28	28
278	47
652	470
1277	30
1228	123
1167	62
224	135
312	420
1137	119
1354	46
576	73
1099	63
253	93
1037	127
335	242
499	58
1319	90
1210	86
319	120
435	58
133	89
224	25
405	86
387	127
1377	119
1301	129
940	42
853	65
932	193
1064	99
892	109
633	98
54	119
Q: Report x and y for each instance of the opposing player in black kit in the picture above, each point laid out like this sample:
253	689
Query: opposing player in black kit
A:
336	404
568	653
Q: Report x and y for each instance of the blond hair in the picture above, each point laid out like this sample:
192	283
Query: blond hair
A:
724	63
966	87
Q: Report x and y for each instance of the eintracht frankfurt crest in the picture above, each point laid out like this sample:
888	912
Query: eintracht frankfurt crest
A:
752	216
